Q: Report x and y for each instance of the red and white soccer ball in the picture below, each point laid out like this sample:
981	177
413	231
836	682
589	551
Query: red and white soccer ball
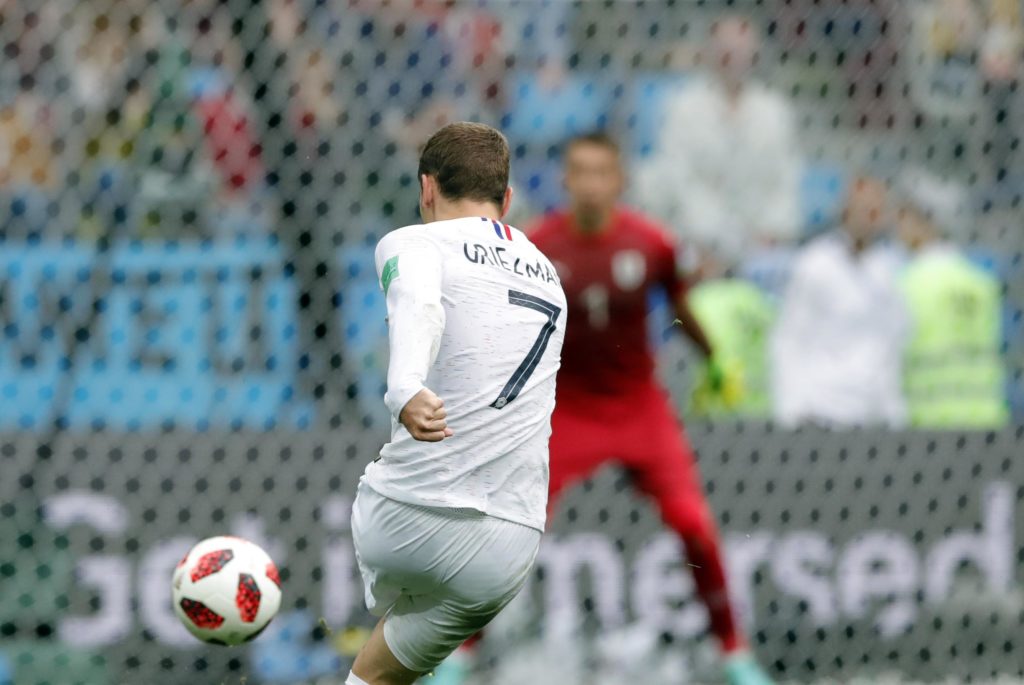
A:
226	590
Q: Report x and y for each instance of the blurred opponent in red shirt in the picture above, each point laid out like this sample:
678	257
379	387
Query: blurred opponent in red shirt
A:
607	275
610	408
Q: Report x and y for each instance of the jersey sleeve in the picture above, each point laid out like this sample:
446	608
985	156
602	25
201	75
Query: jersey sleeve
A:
409	267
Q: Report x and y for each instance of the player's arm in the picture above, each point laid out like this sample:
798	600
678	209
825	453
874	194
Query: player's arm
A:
409	267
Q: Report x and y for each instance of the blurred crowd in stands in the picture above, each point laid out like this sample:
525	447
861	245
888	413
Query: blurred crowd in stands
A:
846	177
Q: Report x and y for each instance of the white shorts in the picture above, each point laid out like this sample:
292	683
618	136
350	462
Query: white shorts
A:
438	575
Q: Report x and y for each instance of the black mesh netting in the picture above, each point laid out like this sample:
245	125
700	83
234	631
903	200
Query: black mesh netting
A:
192	330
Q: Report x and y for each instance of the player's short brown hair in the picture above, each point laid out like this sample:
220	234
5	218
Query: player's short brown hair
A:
598	138
469	161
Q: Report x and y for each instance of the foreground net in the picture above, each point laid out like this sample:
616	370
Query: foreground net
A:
190	193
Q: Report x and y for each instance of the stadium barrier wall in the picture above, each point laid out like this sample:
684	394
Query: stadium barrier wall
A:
839	570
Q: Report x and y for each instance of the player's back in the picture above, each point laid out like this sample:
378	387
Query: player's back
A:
495	368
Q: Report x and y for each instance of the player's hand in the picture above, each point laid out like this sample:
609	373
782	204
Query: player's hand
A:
424	417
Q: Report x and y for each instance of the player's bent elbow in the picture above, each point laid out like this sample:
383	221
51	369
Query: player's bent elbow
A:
431	310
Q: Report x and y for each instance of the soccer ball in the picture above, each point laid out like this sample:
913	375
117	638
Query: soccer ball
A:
226	590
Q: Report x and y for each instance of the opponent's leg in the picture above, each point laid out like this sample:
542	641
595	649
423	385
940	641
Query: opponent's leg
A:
376	665
582	440
689	517
668	473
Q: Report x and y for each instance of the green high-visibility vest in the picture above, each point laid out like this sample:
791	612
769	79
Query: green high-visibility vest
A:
737	318
953	370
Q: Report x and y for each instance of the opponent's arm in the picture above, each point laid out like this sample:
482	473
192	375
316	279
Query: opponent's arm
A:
676	285
690	326
410	273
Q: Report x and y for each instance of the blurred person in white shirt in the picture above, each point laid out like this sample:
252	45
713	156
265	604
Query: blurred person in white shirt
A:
837	348
728	164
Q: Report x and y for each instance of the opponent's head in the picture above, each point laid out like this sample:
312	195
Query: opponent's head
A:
463	171
594	178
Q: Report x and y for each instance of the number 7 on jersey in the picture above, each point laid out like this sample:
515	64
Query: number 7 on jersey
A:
529	365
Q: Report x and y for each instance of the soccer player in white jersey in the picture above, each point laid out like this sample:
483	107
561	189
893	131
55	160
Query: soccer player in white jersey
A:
447	521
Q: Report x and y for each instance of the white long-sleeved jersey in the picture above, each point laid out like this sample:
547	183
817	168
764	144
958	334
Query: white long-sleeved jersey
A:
837	348
477	315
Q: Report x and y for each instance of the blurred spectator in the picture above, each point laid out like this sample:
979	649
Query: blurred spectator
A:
29	173
945	83
847	51
26	144
29	32
727	169
30	132
964	69
299	105
177	183
837	347
480	51
222	106
102	111
737	317
1001	66
953	373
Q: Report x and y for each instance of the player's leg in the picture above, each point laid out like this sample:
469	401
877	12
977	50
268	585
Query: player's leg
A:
580	440
579	445
665	468
486	573
687	513
376	665
463	569
375	526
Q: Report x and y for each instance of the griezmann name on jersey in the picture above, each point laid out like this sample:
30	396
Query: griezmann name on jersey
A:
476	313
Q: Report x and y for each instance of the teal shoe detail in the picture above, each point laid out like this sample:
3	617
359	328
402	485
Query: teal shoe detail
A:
742	669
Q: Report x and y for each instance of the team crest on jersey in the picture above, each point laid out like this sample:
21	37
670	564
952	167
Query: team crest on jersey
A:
629	269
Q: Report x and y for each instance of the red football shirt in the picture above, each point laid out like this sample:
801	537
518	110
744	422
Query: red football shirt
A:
607	278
